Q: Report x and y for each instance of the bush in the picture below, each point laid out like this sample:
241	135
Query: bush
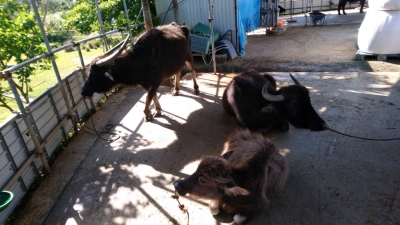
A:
97	43
59	36
70	49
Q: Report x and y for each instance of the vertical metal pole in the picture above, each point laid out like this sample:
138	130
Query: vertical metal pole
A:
128	22
53	61
84	72
101	24
29	124
305	13
210	19
291	13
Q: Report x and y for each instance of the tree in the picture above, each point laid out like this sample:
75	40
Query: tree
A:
176	11
20	40
148	22
83	17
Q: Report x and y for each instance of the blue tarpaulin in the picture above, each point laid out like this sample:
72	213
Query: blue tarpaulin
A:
248	20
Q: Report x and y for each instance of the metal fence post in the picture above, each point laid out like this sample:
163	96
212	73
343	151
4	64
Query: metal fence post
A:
101	24
53	61
78	46
128	22
29	124
210	19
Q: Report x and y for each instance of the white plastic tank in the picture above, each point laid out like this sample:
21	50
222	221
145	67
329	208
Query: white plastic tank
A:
380	30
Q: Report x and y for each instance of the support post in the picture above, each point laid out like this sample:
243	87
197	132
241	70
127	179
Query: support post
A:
291	13
210	19
29	125
53	62
78	46
101	24
128	22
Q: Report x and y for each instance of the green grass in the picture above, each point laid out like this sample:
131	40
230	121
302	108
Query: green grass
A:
66	62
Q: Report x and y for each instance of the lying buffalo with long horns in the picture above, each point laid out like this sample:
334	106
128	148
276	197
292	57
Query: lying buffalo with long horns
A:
253	100
242	180
157	55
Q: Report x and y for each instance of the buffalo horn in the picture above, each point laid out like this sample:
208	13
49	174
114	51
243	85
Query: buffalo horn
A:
270	97
113	53
295	80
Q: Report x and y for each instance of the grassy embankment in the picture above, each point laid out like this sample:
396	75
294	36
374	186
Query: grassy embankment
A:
67	62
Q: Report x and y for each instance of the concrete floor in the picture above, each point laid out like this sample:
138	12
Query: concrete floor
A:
333	179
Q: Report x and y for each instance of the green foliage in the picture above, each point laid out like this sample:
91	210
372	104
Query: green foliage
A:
20	40
83	17
60	36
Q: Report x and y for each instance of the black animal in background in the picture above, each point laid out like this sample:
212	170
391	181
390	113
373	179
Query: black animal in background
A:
281	9
342	5
157	55
253	100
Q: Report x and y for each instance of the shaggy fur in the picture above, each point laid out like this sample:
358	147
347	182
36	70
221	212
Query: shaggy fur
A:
241	180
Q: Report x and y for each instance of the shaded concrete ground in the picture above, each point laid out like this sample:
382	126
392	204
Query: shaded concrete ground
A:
333	179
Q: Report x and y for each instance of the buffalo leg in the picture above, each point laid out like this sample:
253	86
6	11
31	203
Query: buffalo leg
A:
190	65
151	94
177	83
341	6
157	106
362	3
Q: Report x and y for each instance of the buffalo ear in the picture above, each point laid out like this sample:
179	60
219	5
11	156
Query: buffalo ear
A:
235	191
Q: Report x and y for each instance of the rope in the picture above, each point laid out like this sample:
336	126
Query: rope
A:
369	139
108	128
181	206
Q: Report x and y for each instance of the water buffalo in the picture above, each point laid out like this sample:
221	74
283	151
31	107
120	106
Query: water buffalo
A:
242	180
253	100
157	55
342	5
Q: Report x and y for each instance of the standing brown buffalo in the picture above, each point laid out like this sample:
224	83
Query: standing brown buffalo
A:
157	55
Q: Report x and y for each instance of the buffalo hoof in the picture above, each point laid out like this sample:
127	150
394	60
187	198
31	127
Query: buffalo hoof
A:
175	93
148	117
214	209
284	126
239	219
196	91
157	114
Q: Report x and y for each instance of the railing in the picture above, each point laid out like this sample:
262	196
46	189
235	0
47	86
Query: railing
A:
29	138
